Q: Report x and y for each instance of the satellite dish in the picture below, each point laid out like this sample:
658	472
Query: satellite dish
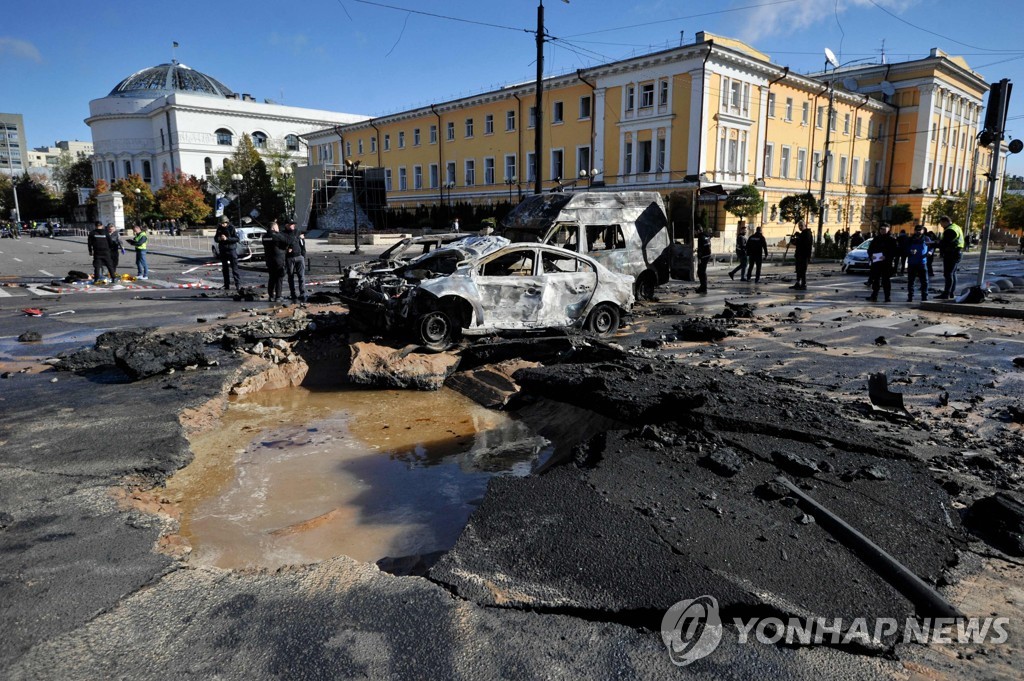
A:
887	89
831	58
850	84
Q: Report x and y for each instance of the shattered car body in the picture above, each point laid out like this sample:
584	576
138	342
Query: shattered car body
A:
397	255
486	284
627	232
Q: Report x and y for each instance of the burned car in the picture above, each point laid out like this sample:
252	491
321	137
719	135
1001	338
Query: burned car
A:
404	251
486	284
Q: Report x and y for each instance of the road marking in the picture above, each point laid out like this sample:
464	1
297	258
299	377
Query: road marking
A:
66	250
16	259
45	273
4	294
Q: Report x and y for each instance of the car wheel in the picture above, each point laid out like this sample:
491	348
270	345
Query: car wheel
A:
644	289
435	330
603	320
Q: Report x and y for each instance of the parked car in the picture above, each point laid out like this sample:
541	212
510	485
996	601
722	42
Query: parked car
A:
486	284
857	259
250	245
626	231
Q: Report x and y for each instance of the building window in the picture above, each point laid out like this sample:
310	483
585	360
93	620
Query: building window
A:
784	163
801	164
373	145
878	173
387	179
387	141
867	171
510	166
583	160
556	164
348	149
646	95
291	142
531	167
627	159
843	162
831	167
489	124
643	156
401	140
147	172
403	180
660	161
630	97
771	105
469	127
359	143
417	177
470	172
449	172
450	131
860	127
805	113
663	93
846	124
434	177
224	137
433	134
510	120
415	137
585	107
735	97
833	116
208	165
769	160
259	140
127	168
113	173
819	122
816	166
533	117
789	108
489	171
855	170
556	113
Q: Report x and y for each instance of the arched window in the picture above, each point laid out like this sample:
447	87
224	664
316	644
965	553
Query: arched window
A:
113	172
291	142
224	137
127	168
147	172
208	165
259	140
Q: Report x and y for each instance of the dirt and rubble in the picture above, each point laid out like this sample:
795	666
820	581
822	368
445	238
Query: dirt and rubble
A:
564	573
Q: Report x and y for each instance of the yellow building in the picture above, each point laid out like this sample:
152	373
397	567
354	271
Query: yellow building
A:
713	115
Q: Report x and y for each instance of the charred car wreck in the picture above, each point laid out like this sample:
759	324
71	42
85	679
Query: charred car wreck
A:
486	284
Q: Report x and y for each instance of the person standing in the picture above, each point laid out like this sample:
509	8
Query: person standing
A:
951	246
295	261
455	225
140	240
275	247
917	263
116	247
857	239
803	247
741	255
881	252
99	248
757	247
929	238
226	238
703	258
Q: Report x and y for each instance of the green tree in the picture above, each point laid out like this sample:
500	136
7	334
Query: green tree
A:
34	199
79	175
1011	213
6	197
61	170
797	207
745	202
255	191
897	214
139	202
182	198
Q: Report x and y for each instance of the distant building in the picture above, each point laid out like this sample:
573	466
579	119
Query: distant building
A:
171	117
13	160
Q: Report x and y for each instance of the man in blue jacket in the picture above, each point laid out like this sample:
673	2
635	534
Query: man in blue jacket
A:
918	251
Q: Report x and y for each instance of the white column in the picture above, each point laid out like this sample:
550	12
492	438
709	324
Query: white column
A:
698	135
597	111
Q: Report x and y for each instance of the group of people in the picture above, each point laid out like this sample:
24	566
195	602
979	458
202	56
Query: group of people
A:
285	253
106	248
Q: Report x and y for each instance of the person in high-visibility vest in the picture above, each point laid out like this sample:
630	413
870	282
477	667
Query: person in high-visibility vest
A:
141	243
951	246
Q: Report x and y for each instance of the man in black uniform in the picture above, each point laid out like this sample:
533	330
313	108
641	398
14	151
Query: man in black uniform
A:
757	247
275	247
881	253
803	247
295	260
226	239
100	248
703	258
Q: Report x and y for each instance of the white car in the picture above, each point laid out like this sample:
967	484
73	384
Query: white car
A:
483	285
857	259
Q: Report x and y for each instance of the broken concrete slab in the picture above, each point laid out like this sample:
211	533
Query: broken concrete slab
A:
385	367
491	386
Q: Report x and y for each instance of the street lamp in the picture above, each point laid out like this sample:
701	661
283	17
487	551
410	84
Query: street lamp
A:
589	175
284	173
352	167
237	179
510	181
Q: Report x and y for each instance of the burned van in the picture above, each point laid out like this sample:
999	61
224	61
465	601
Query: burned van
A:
627	232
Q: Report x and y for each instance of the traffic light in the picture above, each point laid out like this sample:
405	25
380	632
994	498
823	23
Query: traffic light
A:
998	104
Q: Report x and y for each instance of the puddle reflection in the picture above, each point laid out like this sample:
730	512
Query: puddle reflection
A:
294	476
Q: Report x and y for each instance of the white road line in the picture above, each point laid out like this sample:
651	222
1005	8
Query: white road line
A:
16	259
66	250
45	273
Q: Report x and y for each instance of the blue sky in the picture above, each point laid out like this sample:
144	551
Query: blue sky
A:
365	57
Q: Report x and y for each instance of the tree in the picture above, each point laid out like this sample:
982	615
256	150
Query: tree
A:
61	169
6	197
897	214
78	176
1011	213
255	190
34	199
137	205
182	198
797	207
745	202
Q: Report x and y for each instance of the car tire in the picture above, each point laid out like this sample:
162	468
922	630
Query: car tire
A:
644	288
603	320
435	330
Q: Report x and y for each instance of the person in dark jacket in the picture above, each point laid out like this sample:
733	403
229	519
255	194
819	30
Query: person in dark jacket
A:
951	245
803	246
900	263
275	249
741	255
100	248
295	261
226	238
881	252
757	246
856	240
703	258
929	238
917	263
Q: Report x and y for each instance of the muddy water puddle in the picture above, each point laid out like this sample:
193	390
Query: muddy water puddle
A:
294	476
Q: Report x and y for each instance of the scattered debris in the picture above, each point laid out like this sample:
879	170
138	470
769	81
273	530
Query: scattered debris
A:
30	337
492	385
807	343
881	396
881	341
999	520
32	311
1018	362
724	461
385	367
700	329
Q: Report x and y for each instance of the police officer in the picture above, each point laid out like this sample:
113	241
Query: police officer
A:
757	246
100	248
226	239
741	254
275	247
803	247
295	260
918	249
703	258
951	246
881	253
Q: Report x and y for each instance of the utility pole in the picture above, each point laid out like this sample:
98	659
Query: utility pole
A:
829	59
538	127
995	119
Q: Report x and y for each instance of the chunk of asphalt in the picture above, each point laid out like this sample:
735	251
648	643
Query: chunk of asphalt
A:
725	461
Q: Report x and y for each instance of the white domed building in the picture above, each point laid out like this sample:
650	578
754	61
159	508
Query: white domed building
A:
171	117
